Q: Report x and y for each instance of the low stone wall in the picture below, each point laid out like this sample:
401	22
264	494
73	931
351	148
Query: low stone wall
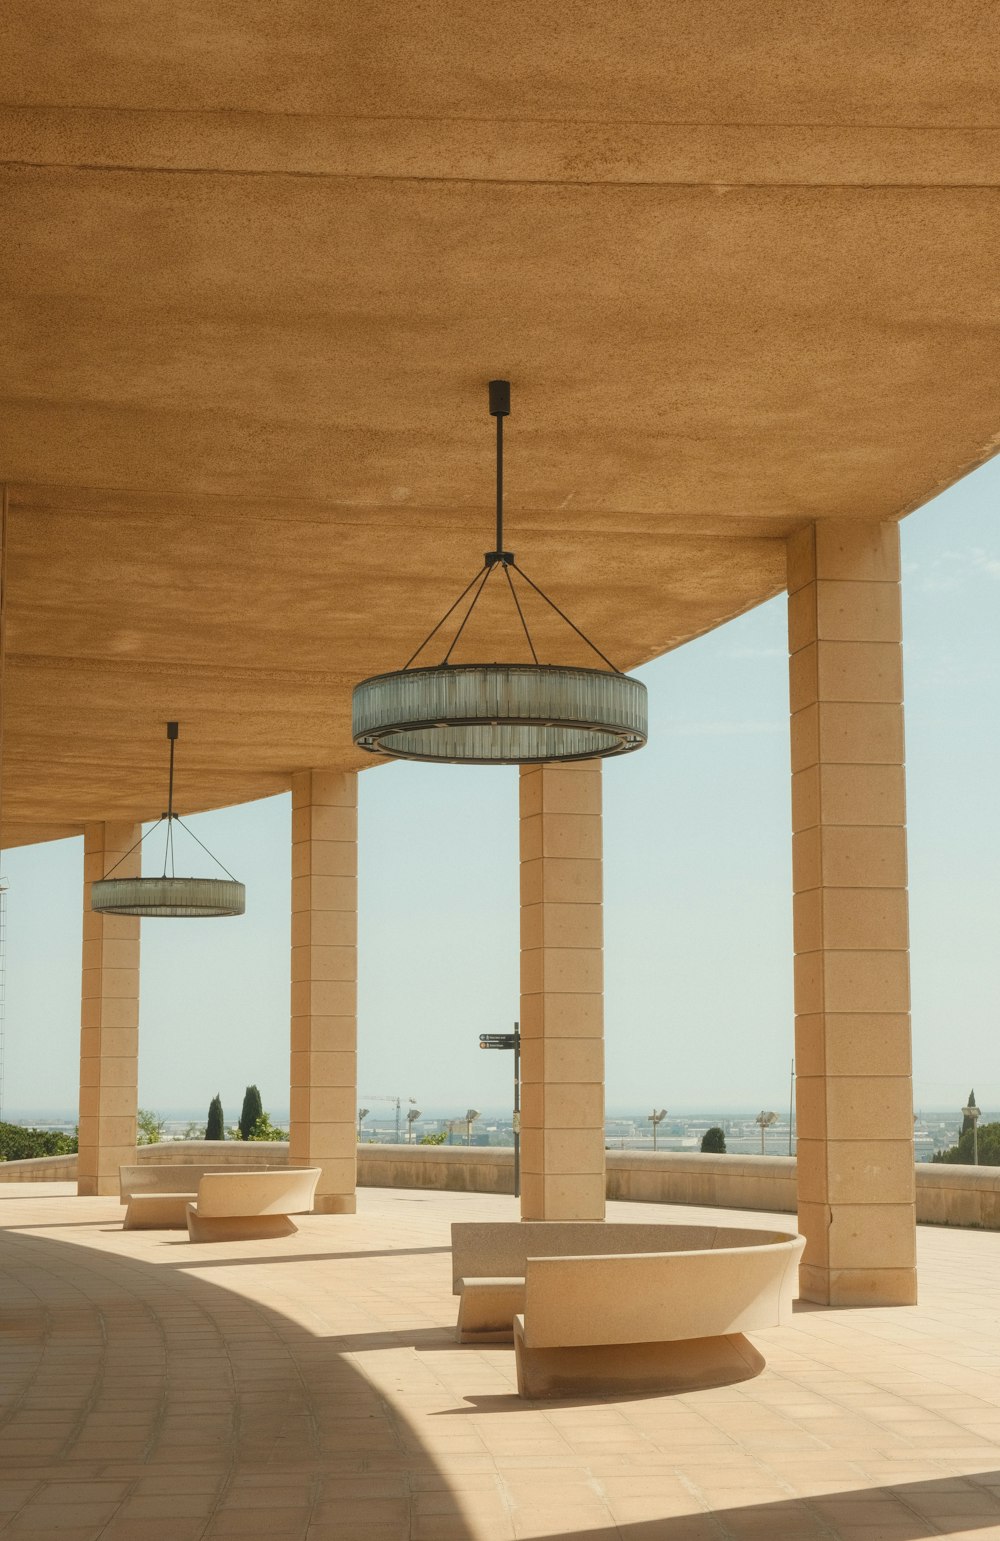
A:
958	1195
39	1169
668	1177
724	1182
946	1195
62	1169
460	1168
215	1153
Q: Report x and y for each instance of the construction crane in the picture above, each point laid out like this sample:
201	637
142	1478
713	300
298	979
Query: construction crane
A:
379	1097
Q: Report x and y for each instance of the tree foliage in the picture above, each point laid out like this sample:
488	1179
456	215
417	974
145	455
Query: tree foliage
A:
149	1128
962	1153
263	1129
253	1109
713	1142
18	1143
433	1139
215	1129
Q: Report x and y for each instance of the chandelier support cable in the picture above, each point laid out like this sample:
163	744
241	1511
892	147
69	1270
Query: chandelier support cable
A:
150	831
563	616
189	831
487	574
517	604
435	629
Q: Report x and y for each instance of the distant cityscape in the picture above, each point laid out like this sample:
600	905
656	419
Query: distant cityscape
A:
933	1130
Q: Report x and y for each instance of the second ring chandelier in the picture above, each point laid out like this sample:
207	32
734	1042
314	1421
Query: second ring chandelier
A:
500	713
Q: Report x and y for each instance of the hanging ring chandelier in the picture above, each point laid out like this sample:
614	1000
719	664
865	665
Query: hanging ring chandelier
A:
500	713
181	898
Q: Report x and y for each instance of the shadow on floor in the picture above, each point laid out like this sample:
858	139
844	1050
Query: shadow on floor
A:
192	1260
908	1511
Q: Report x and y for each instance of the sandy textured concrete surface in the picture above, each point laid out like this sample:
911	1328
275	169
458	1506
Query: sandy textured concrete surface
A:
738	261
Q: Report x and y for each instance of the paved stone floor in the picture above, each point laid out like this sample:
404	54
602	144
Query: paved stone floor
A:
310	1389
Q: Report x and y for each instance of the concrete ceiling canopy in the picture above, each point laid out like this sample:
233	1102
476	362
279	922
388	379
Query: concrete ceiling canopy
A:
739	259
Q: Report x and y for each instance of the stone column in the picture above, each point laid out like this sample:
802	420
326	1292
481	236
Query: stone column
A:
562	993
852	1027
109	1018
324	1074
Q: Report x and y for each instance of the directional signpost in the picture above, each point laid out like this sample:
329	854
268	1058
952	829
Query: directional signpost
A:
510	1041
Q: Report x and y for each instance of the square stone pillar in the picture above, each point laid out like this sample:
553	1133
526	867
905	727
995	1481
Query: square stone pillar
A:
852	1026
562	993
324	1075
109	1017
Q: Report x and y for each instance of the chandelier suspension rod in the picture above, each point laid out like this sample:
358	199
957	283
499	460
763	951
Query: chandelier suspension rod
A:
172	731
499	481
499	408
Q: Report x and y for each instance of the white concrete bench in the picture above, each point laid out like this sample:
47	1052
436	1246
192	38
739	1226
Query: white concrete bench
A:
158	1193
243	1206
661	1322
489	1260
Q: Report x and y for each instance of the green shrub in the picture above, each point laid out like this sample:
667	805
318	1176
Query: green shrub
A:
433	1139
149	1128
713	1142
20	1144
263	1129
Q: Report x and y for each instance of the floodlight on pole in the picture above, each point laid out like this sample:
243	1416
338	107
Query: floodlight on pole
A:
765	1119
362	1115
656	1118
411	1117
470	1118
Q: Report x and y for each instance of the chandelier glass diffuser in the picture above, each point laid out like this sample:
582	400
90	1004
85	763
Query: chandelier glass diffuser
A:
499	713
180	897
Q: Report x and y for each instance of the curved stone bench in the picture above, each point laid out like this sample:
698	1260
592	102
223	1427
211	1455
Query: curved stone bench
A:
158	1193
244	1206
604	1307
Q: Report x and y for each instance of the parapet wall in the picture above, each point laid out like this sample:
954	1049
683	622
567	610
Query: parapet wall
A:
946	1195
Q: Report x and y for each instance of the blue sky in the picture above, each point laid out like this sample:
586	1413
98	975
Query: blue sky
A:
698	892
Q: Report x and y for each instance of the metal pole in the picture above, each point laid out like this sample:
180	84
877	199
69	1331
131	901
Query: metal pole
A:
975	1142
517	1098
791	1107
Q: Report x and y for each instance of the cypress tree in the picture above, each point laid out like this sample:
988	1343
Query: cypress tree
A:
966	1120
216	1127
252	1110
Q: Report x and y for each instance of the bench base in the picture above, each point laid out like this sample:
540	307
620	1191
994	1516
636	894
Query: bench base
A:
613	1369
157	1212
237	1227
487	1308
